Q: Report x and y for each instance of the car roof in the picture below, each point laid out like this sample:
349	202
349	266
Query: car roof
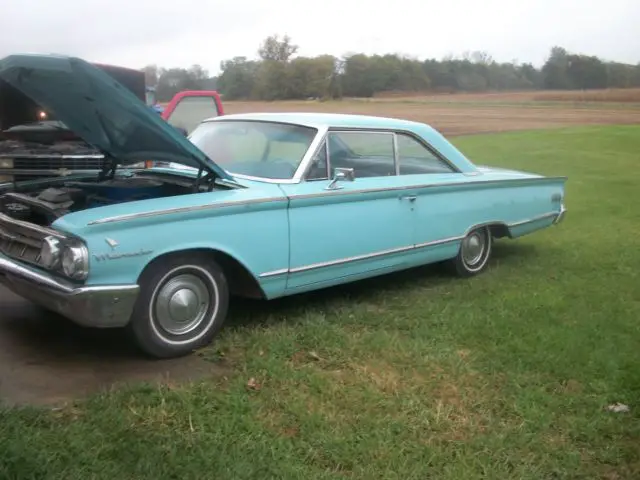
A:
325	120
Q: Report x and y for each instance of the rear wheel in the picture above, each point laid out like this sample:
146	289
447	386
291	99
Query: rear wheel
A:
474	253
183	303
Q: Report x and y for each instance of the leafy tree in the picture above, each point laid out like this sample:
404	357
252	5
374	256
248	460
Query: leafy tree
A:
278	50
586	72
278	73
238	77
555	70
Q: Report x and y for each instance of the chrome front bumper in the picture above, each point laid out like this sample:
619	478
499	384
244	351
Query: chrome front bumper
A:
101	306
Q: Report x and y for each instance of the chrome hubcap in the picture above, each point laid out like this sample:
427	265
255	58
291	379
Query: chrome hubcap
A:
182	304
473	248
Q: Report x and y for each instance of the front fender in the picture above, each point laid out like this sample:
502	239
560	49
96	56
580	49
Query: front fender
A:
254	232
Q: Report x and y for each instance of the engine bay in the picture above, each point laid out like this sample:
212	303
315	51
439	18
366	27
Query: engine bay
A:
44	206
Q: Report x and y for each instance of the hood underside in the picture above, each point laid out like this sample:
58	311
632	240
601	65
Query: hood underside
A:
101	111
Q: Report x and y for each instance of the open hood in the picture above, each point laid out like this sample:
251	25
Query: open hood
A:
101	111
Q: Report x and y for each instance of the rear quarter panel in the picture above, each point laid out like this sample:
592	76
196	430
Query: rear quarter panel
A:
523	204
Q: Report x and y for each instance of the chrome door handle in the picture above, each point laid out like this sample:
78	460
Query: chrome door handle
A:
411	198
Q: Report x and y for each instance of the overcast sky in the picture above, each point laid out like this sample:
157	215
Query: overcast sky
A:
135	33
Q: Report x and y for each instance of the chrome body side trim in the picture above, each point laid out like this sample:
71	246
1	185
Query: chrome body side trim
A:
544	216
506	182
434	243
274	273
169	211
341	261
316	195
560	217
367	256
102	306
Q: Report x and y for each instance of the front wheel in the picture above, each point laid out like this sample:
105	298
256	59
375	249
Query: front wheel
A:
474	253
183	303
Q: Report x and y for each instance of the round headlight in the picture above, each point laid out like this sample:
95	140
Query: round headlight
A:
50	252
75	261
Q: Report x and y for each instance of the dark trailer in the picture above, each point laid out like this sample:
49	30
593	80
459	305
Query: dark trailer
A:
34	144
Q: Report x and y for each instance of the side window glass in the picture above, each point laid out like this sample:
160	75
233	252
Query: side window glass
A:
415	158
370	154
190	111
318	169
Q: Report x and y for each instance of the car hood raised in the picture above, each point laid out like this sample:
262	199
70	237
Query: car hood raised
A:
101	111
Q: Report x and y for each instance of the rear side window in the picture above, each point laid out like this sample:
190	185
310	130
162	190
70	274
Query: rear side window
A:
370	154
415	158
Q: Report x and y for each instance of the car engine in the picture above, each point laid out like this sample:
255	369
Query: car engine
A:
45	206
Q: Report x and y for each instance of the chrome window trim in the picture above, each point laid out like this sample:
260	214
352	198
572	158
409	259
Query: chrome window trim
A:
305	163
323	131
391	251
396	154
326	151
396	150
322	143
263	179
334	130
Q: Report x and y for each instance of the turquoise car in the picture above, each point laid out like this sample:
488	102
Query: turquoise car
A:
255	205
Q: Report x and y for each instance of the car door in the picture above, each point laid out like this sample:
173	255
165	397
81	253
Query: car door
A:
187	109
342	230
440	209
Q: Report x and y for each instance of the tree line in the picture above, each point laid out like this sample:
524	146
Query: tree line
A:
278	74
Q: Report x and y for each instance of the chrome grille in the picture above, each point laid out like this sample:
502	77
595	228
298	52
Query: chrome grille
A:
53	163
20	247
22	241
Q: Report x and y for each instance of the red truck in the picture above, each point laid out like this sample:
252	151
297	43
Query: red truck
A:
34	145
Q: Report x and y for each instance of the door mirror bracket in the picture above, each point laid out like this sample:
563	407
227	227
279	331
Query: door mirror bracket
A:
341	175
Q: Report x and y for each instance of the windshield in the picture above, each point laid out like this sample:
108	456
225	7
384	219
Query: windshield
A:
258	149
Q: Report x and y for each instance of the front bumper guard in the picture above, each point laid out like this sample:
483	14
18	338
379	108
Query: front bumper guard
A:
101	306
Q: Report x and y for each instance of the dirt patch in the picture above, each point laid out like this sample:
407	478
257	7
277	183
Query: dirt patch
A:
459	119
45	359
599	95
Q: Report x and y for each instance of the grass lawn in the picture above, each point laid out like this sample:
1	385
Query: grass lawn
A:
414	375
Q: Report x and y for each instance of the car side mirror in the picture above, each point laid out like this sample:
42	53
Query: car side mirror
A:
341	175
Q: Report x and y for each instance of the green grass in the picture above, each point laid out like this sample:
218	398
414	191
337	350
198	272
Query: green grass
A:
416	375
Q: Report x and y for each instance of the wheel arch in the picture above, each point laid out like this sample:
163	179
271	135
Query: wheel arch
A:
242	282
499	230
